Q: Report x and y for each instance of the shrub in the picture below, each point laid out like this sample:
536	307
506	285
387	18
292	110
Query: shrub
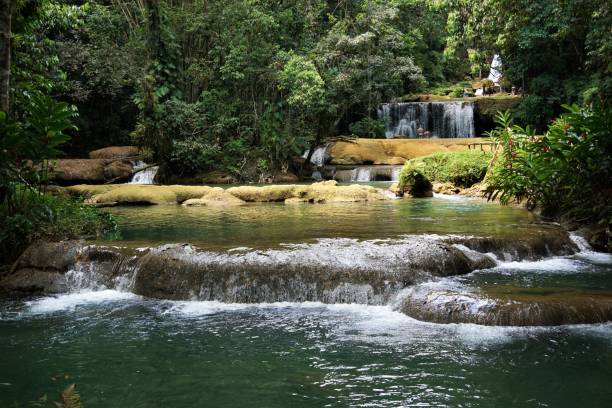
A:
46	216
567	171
413	181
462	168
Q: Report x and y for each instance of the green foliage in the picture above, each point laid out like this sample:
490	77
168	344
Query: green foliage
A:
566	171
412	180
368	127
462	168
32	215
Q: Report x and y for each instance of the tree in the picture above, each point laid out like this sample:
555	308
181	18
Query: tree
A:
5	53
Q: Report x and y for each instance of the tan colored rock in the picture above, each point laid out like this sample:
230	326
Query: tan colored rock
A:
74	170
118	170
263	193
114	152
391	151
217	197
137	194
446	188
218	177
285	178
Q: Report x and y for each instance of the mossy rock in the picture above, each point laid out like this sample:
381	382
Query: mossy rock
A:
462	168
414	182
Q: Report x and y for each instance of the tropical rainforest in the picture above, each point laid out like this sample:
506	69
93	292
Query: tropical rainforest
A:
208	84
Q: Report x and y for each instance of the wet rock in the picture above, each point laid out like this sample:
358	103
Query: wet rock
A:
42	266
115	152
549	240
506	305
390	151
446	188
330	271
118	170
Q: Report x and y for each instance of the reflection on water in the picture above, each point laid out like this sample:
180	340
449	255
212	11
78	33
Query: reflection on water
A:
269	224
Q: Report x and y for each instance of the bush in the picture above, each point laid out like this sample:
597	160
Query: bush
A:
46	216
462	168
567	171
413	181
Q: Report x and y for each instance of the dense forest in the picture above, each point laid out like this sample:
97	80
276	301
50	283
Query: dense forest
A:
208	84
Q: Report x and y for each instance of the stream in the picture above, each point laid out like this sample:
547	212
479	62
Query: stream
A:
123	349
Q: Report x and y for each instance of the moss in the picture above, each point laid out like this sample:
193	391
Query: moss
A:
88	190
413	182
216	197
203	195
184	193
488	106
137	194
462	168
262	194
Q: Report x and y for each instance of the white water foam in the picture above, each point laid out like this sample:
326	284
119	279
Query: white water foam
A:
449	197
70	301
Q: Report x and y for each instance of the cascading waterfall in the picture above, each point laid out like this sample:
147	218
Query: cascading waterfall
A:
441	119
145	174
367	173
319	156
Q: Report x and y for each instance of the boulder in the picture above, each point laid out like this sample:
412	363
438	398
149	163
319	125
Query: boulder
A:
507	305
115	152
287	177
79	170
118	170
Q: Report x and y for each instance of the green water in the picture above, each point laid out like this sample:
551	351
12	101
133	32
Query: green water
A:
271	224
125	351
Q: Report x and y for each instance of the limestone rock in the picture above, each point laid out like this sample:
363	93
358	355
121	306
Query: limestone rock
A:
114	152
118	170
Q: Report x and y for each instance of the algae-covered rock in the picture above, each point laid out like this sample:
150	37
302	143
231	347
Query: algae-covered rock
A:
414	183
137	194
88	190
263	193
118	170
391	151
216	197
114	152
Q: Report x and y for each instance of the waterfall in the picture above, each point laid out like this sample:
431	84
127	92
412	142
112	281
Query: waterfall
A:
144	176
319	156
368	173
442	119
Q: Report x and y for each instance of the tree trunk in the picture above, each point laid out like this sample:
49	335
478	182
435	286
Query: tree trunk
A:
5	53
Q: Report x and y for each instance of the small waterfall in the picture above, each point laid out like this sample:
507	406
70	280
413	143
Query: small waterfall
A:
144	176
319	156
368	173
440	119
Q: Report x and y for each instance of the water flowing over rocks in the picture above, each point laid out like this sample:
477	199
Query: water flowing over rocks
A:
329	270
439	119
445	302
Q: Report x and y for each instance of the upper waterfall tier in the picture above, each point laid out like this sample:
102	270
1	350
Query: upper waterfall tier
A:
439	119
